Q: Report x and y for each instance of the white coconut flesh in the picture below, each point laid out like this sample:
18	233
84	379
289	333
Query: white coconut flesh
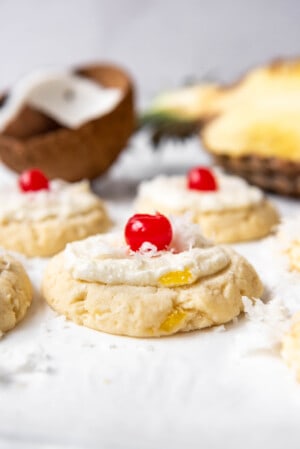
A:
69	99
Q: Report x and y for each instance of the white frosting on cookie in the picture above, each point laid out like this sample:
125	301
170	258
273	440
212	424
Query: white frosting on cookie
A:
107	259
62	200
172	193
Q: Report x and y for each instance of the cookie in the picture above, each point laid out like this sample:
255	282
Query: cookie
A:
15	292
232	212
41	222
291	346
103	284
289	240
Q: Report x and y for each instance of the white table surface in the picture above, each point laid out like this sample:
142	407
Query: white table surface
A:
65	386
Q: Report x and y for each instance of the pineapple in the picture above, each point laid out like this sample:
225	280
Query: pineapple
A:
256	133
252	128
260	116
180	112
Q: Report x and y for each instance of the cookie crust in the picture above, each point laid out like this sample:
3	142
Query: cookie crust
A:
48	237
15	292
291	346
227	226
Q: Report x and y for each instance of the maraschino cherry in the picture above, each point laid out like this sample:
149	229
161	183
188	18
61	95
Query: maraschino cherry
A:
155	229
202	179
33	180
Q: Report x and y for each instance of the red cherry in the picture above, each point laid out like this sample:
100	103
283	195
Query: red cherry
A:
33	180
201	178
155	229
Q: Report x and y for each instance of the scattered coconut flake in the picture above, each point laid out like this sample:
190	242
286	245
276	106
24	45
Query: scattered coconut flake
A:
272	312
16	365
289	231
266	325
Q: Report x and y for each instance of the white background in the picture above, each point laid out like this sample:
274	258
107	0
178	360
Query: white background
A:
160	41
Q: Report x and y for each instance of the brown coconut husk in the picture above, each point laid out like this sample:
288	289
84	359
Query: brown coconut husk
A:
33	139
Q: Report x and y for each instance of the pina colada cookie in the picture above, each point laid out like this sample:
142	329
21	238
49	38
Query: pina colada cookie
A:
38	217
226	207
289	240
15	292
291	346
156	279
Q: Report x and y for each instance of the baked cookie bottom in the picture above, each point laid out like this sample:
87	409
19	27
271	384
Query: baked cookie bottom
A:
15	292
48	237
151	311
230	226
291	346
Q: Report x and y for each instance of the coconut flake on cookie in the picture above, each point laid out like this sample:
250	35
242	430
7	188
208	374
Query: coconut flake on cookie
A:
232	193
187	234
29	201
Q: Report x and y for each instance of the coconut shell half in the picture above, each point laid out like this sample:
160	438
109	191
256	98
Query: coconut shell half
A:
33	139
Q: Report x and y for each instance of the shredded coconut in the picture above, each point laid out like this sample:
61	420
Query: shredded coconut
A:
17	365
266	325
272	312
147	249
289	231
187	234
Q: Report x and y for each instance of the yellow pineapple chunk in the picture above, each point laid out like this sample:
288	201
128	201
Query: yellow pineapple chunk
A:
173	321
176	278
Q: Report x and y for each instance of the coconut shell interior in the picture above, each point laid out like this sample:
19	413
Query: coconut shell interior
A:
33	139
